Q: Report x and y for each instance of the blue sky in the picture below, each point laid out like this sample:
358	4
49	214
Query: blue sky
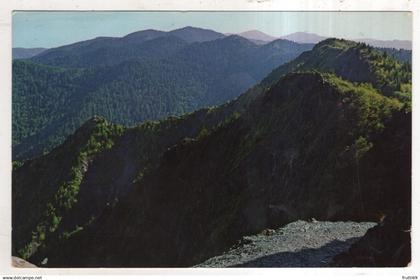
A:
51	29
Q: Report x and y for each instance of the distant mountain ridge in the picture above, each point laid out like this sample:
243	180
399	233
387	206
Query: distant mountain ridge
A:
312	38
257	35
304	37
394	44
22	53
194	34
362	65
144	44
118	77
146	75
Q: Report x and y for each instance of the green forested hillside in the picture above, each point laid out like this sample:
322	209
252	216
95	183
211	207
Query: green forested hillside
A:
135	87
401	55
187	188
311	137
139	148
145	44
45	217
357	62
110	51
197	76
39	95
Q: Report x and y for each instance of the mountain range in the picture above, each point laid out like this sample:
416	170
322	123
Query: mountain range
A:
312	38
193	34
257	36
325	135
146	75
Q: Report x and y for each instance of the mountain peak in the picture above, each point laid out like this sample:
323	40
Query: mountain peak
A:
189	28
336	43
192	34
279	42
238	39
257	35
304	37
146	34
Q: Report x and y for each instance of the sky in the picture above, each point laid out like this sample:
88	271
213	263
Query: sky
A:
52	29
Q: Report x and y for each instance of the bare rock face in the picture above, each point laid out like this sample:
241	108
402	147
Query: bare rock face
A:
385	245
18	262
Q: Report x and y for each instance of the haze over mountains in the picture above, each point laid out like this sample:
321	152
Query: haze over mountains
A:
116	78
330	128
312	38
257	35
399	49
163	149
304	37
194	34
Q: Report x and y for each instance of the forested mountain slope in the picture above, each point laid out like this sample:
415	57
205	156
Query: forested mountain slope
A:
401	55
106	51
178	191
357	62
113	50
141	87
